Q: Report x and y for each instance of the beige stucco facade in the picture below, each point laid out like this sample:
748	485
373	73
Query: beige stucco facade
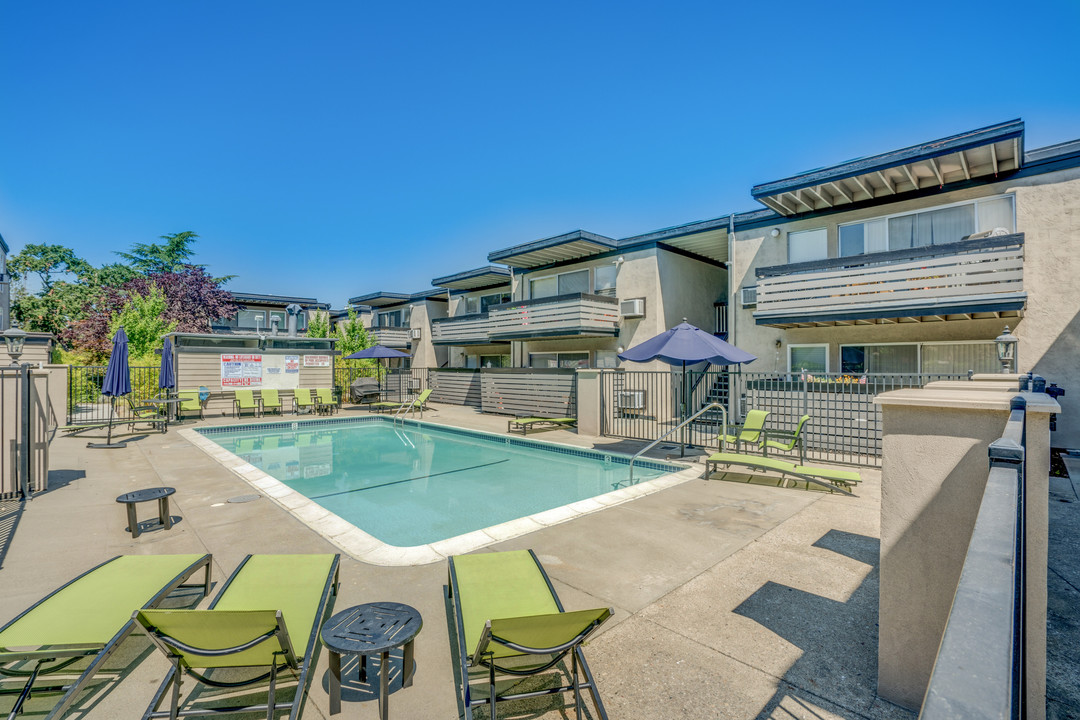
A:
1047	208
673	287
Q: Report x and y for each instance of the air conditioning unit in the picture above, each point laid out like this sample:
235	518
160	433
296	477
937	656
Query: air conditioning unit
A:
748	296
630	400
632	308
415	333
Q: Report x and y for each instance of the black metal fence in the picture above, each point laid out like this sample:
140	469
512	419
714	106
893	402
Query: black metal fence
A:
398	384
85	402
845	424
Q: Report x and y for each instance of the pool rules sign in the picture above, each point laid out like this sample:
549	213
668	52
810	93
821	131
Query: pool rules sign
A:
241	371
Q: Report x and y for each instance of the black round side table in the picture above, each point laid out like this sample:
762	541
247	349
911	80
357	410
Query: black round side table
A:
369	629
161	494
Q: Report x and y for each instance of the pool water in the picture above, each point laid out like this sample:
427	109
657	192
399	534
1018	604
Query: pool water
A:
416	483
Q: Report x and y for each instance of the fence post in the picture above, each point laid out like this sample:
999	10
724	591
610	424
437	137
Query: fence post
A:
24	434
589	401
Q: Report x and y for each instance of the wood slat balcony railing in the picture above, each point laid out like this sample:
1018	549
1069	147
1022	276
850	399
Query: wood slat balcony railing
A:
395	337
471	329
574	315
967	273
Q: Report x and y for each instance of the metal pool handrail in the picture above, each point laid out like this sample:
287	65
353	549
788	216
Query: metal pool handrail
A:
684	423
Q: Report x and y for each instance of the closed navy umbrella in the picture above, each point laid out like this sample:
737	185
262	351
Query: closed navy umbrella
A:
117	382
167	375
377	352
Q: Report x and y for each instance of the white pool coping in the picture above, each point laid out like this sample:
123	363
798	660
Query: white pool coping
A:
369	549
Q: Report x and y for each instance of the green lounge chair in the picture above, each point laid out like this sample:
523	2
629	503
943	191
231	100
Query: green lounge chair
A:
302	400
418	403
523	424
325	398
786	441
150	414
840	480
245	400
750	432
88	617
266	617
189	402
270	400
510	622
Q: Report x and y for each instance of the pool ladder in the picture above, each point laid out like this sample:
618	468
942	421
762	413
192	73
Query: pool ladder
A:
408	405
684	423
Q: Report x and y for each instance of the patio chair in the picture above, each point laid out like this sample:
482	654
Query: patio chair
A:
749	432
245	400
88	617
150	414
524	423
266	618
510	622
325	398
418	403
270	400
302	400
189	402
786	440
830	479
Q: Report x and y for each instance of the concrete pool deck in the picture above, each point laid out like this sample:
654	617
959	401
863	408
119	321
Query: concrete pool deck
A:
732	599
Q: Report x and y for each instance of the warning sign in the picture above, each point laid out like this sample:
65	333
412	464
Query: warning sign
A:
241	371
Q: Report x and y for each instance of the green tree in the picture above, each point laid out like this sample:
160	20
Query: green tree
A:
319	324
48	263
141	318
352	336
173	255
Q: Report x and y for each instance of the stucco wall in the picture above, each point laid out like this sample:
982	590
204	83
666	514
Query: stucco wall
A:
1047	212
424	353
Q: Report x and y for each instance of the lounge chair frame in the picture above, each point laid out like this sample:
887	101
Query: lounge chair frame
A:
792	438
255	407
784	468
736	432
300	666
264	408
139	415
524	423
579	666
67	656
180	409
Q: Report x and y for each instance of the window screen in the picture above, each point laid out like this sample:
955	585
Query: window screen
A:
543	287
812	358
958	358
808	245
604	280
575	282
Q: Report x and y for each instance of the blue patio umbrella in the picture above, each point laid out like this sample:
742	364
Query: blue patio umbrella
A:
377	352
117	382
685	344
167	375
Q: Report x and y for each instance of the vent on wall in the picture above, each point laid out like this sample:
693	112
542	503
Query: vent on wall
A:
632	308
748	296
630	400
415	333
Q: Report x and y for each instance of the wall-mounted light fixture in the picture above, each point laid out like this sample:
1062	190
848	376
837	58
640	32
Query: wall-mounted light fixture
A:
775	232
619	261
778	343
1006	349
14	341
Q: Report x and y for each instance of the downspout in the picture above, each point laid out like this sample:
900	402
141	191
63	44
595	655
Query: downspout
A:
732	291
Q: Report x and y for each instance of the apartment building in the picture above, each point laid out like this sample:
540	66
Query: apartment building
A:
465	331
914	261
262	313
403	321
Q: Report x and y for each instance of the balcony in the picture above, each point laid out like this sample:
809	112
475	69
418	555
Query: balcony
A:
473	329
573	315
394	337
981	278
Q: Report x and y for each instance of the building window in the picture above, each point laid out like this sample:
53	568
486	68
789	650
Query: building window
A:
808	245
251	320
950	358
494	361
471	305
559	360
486	301
564	284
606	359
390	319
604	280
811	358
938	226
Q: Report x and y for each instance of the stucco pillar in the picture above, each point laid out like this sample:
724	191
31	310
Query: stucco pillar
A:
934	471
589	383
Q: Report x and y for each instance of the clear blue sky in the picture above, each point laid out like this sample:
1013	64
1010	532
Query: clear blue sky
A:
334	148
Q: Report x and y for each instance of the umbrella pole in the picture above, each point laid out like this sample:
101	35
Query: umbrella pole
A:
108	442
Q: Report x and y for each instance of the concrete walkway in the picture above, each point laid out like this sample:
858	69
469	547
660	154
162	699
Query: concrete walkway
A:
733	599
